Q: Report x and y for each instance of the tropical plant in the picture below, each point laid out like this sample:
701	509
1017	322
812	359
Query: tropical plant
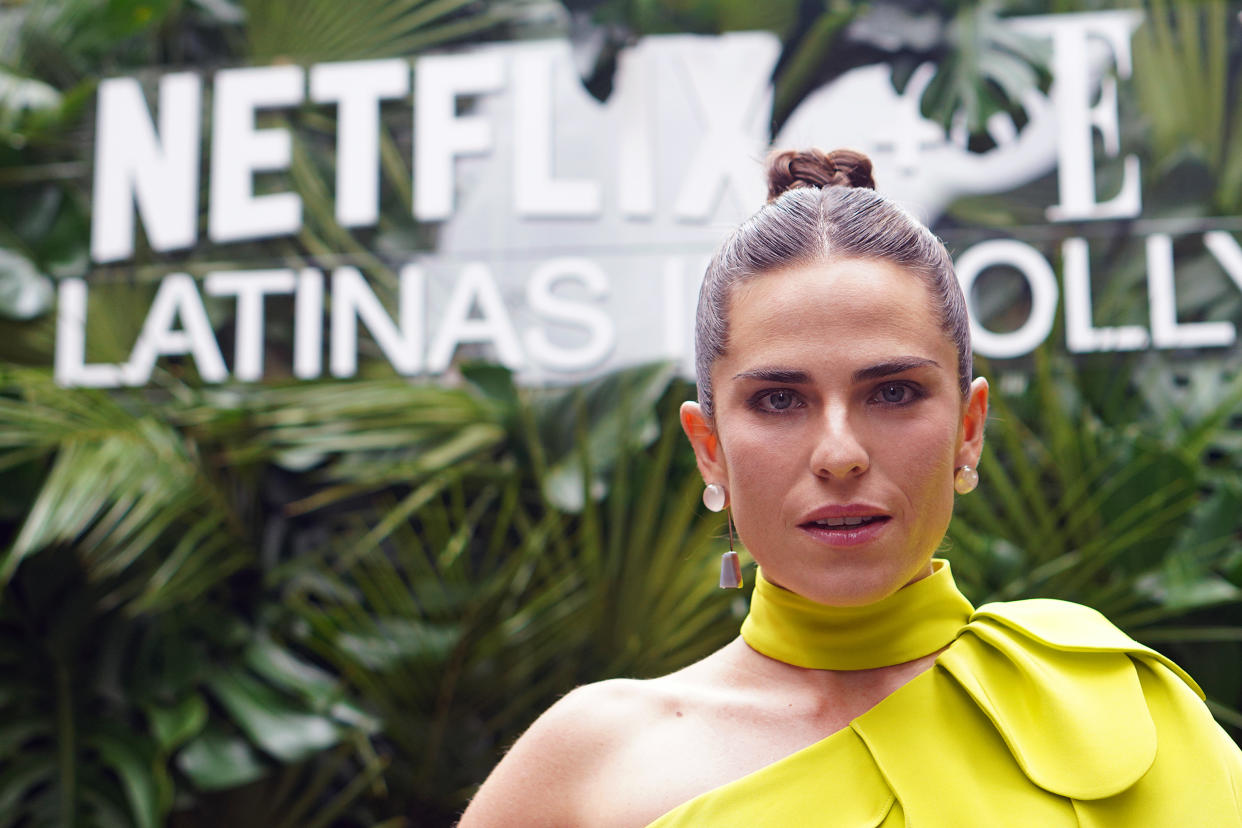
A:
197	582
1185	83
1135	520
982	66
326	30
568	559
135	587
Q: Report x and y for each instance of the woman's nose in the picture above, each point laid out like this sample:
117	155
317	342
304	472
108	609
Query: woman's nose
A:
839	451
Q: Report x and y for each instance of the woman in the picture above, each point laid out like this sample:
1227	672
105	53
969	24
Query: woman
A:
836	418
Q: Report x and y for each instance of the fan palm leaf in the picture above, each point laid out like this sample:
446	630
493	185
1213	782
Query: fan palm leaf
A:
499	592
322	30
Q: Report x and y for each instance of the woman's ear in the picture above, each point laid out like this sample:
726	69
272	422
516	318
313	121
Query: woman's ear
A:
702	434
973	420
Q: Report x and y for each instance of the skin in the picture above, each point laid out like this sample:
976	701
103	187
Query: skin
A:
877	421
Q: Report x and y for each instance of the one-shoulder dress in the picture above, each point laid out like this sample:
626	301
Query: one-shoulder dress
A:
1038	713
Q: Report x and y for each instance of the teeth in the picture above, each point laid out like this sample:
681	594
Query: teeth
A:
849	521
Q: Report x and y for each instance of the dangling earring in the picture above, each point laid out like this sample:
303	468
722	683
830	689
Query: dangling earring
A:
730	566
965	480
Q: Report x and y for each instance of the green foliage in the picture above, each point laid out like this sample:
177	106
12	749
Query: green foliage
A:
135	585
1183	80
982	66
1081	510
986	69
412	582
1138	521
457	626
112	718
324	30
235	566
42	233
66	41
703	16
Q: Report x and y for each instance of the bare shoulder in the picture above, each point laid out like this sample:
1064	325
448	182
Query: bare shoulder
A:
548	776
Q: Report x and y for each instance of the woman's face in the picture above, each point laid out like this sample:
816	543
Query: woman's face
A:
839	424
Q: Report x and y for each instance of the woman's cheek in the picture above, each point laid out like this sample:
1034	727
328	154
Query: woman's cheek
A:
760	469
755	469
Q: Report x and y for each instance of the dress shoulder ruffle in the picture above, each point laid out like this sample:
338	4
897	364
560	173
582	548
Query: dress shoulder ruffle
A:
1040	714
1061	686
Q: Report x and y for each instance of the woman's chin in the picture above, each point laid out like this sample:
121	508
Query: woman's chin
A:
850	581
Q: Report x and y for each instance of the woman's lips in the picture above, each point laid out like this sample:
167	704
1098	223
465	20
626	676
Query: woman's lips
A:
846	534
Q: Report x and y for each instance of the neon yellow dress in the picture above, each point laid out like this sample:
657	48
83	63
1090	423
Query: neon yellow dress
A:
1039	713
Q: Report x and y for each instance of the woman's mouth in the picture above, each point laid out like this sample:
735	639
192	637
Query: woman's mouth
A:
847	521
846	531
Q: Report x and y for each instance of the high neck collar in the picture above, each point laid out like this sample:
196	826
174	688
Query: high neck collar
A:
914	621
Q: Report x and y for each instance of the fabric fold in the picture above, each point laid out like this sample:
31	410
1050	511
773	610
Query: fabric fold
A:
1071	627
1076	722
1039	714
914	621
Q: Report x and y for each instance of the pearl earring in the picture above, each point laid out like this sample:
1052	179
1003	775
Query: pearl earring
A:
714	497
965	480
730	566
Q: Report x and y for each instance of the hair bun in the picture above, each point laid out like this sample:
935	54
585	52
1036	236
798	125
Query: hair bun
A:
791	169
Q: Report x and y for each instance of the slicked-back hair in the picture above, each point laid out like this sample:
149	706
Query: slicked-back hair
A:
822	207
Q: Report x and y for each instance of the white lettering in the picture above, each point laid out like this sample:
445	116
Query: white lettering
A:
238	150
635	151
535	191
135	164
250	287
1073	36
357	89
475	286
726	93
1166	331
71	368
601	335
177	297
440	134
352	299
1039	278
1080	334
308	325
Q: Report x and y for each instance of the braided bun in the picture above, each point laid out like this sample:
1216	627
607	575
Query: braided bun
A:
791	169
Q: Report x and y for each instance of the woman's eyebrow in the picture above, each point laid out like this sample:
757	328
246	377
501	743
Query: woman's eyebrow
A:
892	366
778	375
794	376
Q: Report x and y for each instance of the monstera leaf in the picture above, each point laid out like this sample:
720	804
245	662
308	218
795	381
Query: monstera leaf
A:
986	68
982	66
111	718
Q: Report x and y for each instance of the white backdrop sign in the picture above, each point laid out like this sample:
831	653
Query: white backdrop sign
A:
571	235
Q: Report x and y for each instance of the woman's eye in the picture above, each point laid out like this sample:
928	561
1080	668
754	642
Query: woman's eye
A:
777	401
895	394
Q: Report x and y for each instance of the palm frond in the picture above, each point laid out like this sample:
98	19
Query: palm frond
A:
323	30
